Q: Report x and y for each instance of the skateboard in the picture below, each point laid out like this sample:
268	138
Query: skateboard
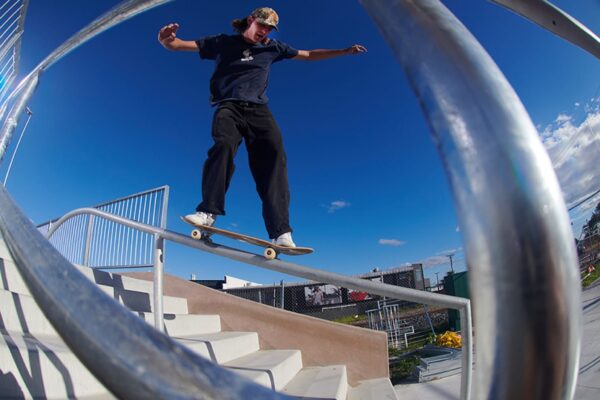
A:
271	251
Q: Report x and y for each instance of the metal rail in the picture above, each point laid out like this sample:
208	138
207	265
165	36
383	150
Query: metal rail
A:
25	89
517	237
12	21
147	364
552	18
105	245
381	289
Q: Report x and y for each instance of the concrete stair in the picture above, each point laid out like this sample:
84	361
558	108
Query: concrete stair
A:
35	362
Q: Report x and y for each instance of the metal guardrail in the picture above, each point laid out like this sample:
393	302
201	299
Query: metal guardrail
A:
147	363
377	288
21	94
106	245
516	232
552	18
12	20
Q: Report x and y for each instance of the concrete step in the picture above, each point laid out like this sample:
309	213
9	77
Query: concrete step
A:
271	368
221	347
124	286
10	279
135	294
43	367
116	280
98	276
143	302
186	324
20	313
329	382
380	389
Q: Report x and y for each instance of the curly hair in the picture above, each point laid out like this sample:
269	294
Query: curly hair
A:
240	25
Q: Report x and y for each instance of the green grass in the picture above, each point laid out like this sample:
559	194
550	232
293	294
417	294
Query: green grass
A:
402	369
351	319
592	277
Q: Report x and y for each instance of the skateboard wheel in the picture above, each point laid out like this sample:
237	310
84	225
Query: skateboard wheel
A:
196	234
269	253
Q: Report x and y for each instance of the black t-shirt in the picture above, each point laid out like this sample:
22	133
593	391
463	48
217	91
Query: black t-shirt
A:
241	68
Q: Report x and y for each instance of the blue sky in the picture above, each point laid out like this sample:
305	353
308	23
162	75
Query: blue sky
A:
121	115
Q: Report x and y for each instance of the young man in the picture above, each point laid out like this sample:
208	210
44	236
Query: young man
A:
238	90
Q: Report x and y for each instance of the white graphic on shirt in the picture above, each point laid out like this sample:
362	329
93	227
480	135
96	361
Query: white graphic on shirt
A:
247	55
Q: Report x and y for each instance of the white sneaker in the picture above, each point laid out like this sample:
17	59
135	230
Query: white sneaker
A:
285	240
201	218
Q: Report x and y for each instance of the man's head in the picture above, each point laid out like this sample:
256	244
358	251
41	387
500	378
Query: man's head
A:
256	26
266	16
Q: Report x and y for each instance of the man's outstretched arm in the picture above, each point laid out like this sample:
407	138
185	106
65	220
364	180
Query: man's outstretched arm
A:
323	54
167	36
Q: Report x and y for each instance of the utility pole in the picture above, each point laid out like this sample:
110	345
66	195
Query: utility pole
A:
451	265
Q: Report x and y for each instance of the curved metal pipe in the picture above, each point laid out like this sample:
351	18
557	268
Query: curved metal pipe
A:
552	18
26	87
132	359
314	274
517	238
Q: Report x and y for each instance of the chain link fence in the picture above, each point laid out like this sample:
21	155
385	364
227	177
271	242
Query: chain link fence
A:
404	321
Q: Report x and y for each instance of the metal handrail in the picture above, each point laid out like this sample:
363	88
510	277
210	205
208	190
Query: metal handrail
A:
107	245
22	93
461	304
552	18
517	236
130	358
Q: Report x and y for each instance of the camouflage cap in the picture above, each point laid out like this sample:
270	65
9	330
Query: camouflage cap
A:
267	16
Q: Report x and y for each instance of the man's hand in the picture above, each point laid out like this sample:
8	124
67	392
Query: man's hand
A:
355	49
167	36
168	33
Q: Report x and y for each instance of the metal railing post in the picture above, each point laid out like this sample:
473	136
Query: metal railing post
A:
88	242
158	282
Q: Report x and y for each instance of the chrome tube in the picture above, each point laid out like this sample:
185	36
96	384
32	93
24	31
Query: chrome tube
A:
317	275
552	18
12	119
24	89
158	283
147	363
518	242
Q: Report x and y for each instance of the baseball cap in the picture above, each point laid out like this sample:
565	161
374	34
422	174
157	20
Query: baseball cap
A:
267	16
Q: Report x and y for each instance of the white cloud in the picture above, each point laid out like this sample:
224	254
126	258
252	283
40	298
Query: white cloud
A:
563	118
391	242
435	260
441	258
574	148
337	205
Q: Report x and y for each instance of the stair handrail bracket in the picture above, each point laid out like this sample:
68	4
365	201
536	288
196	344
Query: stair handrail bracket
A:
517	237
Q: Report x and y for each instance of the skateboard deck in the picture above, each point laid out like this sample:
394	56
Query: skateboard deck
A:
271	249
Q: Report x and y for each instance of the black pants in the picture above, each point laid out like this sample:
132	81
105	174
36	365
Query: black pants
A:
254	123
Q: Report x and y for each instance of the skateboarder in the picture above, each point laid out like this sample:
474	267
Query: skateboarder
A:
238	91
